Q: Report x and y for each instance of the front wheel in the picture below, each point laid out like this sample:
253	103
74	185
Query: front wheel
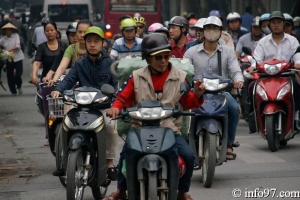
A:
152	185
59	155
210	159
75	172
271	132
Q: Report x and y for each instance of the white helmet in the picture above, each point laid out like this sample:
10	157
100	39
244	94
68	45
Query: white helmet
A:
297	21
200	23
213	20
233	16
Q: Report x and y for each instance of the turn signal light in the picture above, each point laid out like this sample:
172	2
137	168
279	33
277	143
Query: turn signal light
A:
108	34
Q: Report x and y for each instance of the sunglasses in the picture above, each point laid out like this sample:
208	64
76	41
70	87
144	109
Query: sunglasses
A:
160	57
140	27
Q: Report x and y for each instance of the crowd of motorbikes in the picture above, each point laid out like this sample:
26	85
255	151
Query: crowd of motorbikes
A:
76	131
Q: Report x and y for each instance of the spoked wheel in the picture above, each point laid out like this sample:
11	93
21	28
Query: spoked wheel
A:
210	159
152	185
59	155
271	132
75	172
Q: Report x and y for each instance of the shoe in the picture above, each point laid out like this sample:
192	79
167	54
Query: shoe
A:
112	173
230	155
183	196
119	194
20	91
58	172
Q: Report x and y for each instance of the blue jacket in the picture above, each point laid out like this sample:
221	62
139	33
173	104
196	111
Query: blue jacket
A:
89	74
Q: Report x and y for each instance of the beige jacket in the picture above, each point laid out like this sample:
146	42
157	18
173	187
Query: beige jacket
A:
143	90
227	39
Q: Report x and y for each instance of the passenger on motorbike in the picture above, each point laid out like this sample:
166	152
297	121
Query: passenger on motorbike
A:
235	29
199	33
159	81
277	45
264	23
94	71
204	57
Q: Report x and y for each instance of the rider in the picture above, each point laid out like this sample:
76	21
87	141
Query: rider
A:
199	33
264	23
192	29
289	25
204	57
234	22
178	29
141	26
129	44
84	73
164	80
277	45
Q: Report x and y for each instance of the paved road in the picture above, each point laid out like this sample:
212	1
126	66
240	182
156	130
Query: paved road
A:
26	165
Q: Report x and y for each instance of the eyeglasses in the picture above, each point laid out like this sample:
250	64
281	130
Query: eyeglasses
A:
160	57
140	27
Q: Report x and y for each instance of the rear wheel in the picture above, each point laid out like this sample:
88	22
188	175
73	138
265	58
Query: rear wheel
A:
271	132
210	159
75	172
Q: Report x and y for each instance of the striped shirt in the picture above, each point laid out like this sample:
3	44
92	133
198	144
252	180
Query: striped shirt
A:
120	50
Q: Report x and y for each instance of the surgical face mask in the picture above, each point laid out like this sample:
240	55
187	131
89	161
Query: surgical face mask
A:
266	30
192	33
212	35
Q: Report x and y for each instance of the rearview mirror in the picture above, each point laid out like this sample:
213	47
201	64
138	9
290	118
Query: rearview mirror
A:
184	88
108	90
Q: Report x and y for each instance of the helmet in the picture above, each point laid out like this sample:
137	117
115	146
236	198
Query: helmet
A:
192	22
44	21
127	24
94	30
276	14
71	28
288	18
154	43
297	21
162	30
216	13
191	15
140	20
264	17
213	20
181	166
233	16
255	21
137	15
179	21
200	23
154	26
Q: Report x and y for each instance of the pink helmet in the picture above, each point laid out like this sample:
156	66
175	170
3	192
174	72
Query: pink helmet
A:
154	26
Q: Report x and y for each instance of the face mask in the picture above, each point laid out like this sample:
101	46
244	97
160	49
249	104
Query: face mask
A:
266	30
212	35
192	33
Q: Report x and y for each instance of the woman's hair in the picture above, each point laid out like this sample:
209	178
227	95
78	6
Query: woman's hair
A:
52	23
84	21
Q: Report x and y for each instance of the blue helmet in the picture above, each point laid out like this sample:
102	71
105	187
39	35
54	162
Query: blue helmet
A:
264	17
216	13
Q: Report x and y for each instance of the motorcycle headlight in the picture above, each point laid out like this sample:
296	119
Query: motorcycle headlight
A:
150	113
102	99
68	122
285	89
261	92
272	69
213	84
84	98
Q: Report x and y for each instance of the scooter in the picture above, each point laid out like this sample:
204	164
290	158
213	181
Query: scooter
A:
83	141
273	102
209	127
151	159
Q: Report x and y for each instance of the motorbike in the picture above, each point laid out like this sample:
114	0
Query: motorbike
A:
273	101
83	143
151	159
209	127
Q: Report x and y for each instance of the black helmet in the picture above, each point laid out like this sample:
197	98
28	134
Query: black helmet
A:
71	28
179	21
163	30
154	42
276	14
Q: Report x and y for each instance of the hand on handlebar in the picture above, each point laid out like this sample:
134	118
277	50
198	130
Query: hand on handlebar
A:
297	66
238	85
55	94
51	82
250	69
113	113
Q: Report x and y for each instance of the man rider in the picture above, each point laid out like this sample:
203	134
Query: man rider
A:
94	71
204	57
164	80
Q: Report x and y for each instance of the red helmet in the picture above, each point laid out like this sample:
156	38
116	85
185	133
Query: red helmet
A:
192	22
181	166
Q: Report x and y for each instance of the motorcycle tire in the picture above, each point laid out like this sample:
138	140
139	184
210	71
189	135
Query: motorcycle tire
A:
152	185
271	132
59	155
75	170
210	159
99	192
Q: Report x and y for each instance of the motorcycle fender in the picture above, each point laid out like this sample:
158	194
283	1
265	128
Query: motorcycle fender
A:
152	163
211	125
77	140
272	108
